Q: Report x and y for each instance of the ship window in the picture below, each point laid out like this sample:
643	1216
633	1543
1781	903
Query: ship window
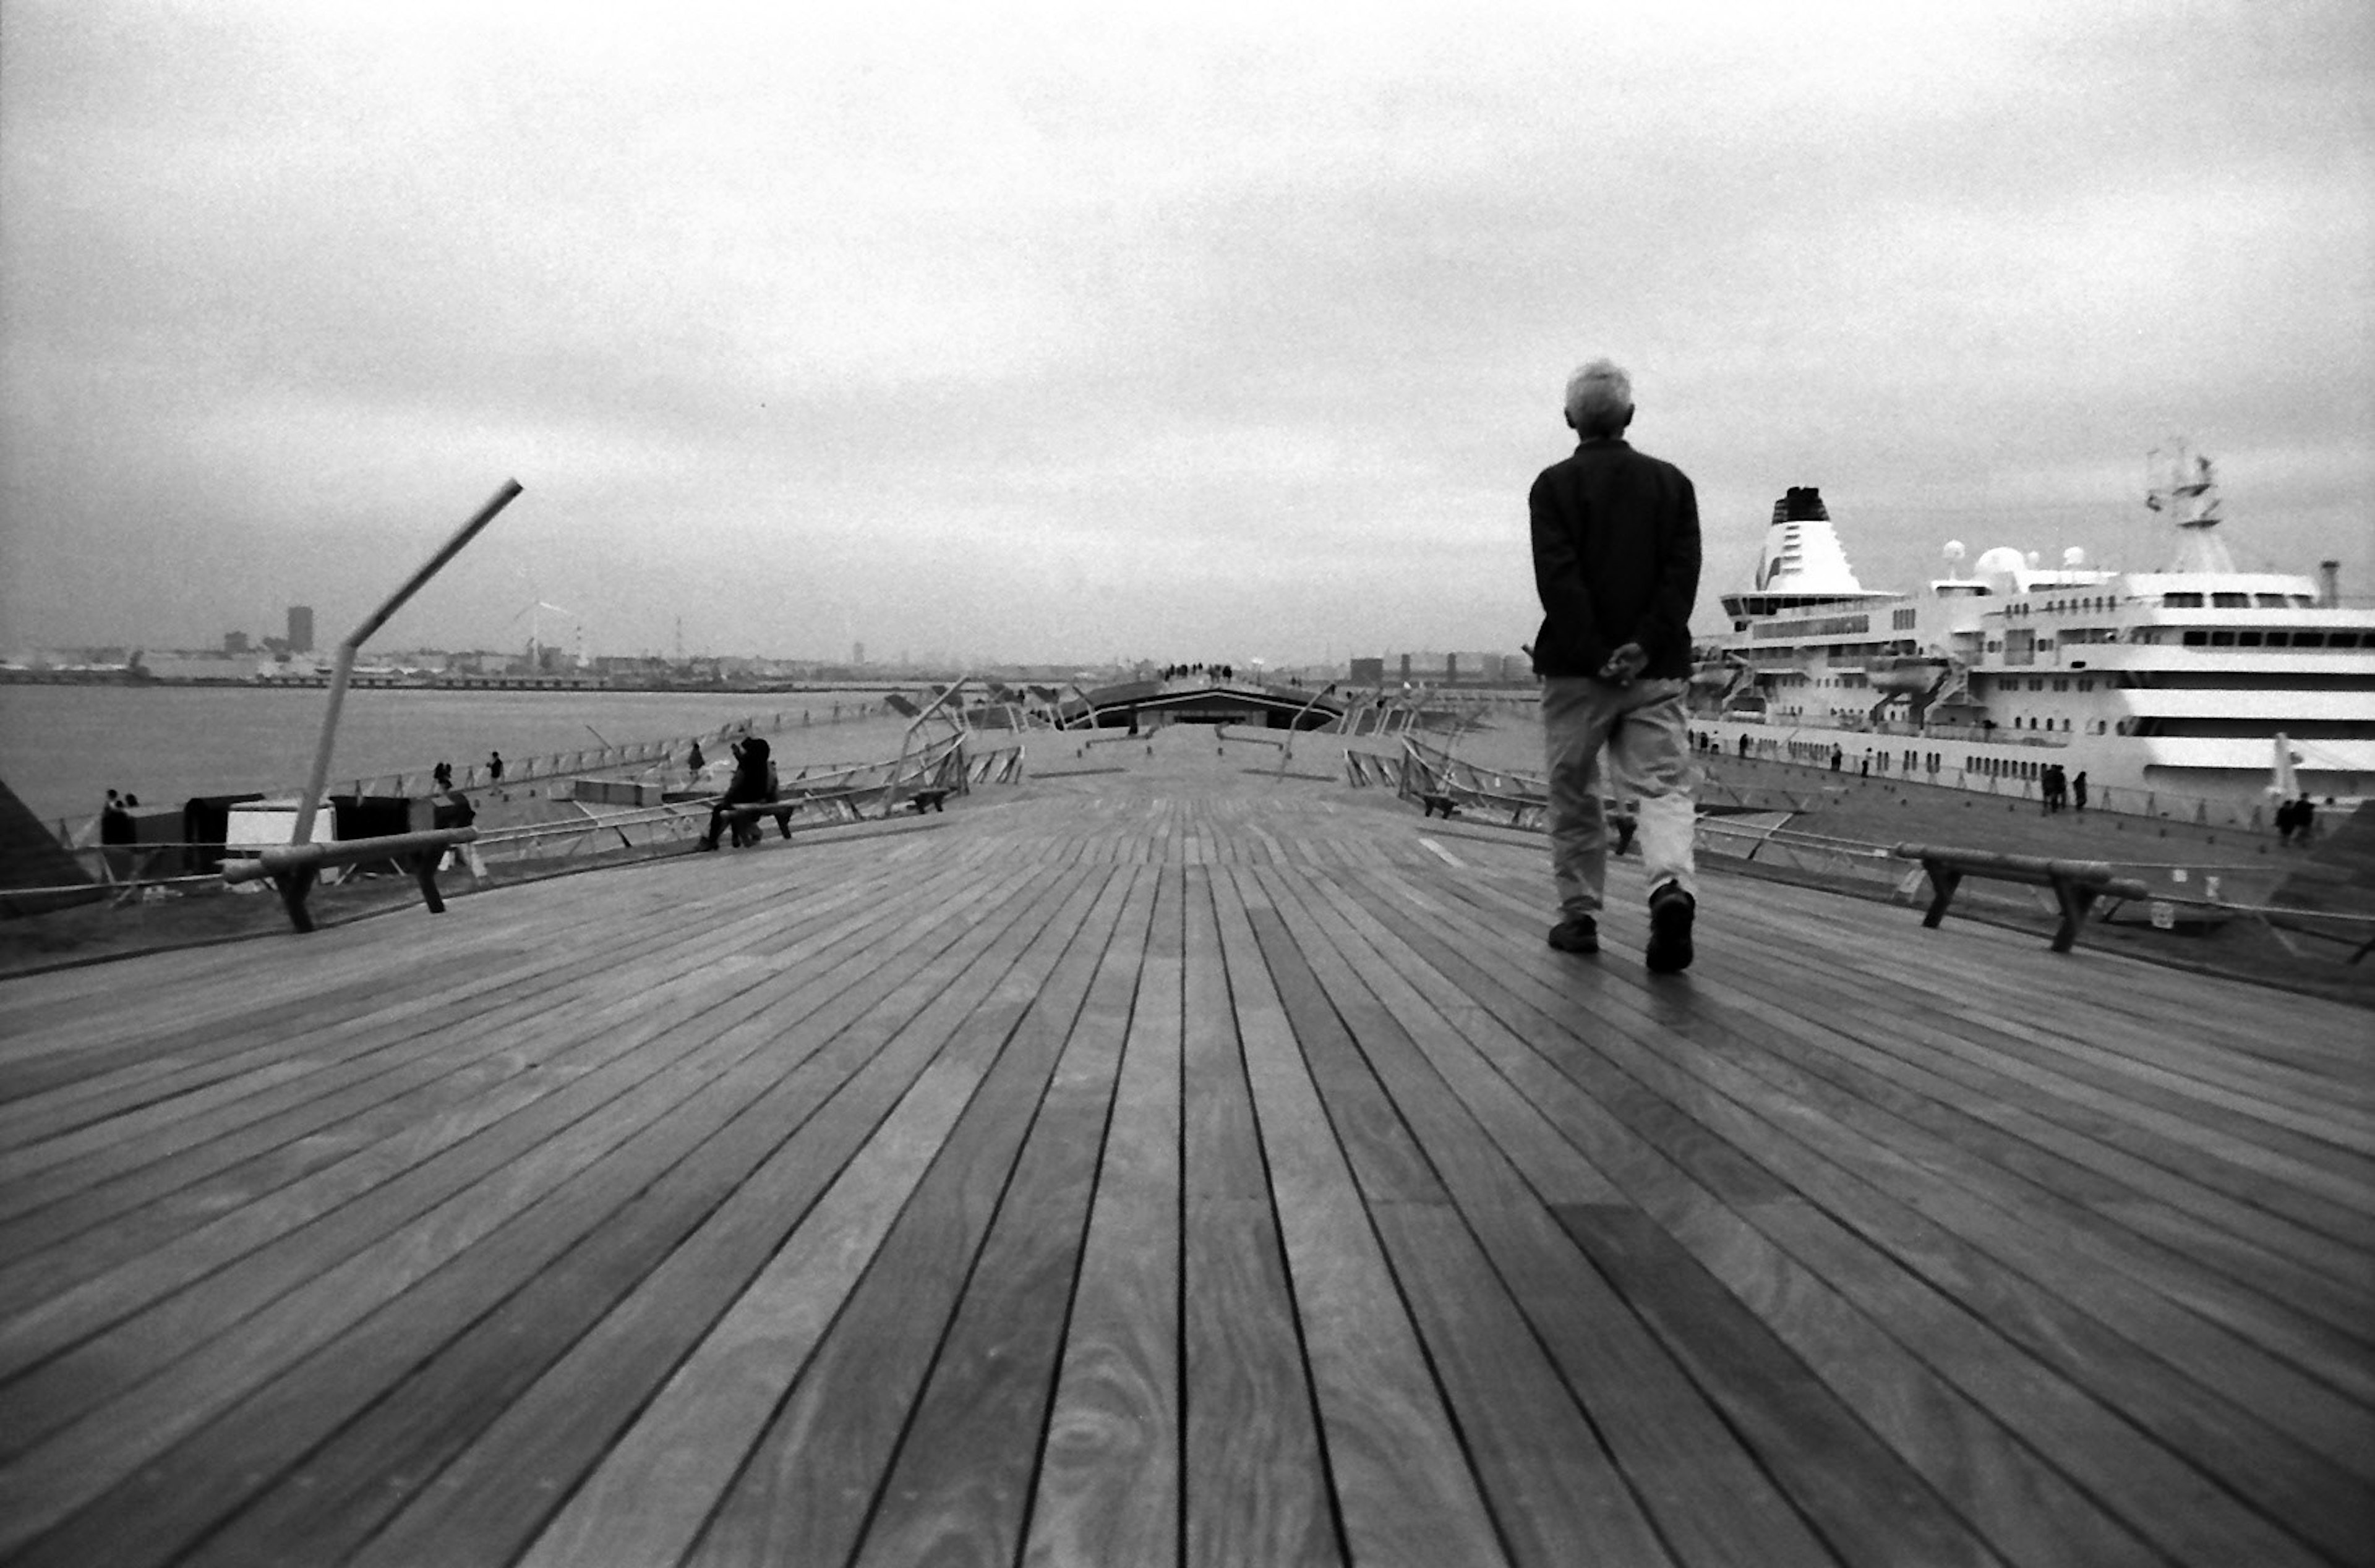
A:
2247	639
2060	684
2180	601
2222	639
2342	639
2196	639
2271	601
2231	601
2308	639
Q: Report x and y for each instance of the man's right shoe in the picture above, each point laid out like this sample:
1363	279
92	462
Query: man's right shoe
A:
1671	912
1577	933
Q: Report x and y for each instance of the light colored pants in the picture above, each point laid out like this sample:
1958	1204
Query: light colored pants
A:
1650	758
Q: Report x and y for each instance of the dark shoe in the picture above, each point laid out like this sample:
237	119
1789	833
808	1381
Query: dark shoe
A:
1577	933
707	843
1671	910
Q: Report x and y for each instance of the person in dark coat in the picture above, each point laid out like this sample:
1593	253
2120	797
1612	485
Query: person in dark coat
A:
1616	565
752	785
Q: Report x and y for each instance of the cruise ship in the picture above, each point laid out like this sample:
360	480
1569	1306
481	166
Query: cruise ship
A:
2205	688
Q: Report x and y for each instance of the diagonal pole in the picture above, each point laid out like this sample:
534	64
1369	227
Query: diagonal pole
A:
378	617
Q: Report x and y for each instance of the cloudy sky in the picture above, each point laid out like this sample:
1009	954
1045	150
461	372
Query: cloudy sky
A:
1060	332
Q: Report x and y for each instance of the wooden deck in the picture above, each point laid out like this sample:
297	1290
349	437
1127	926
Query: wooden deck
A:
1176	1165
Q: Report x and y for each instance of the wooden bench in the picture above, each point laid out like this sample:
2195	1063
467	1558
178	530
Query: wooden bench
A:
2077	884
294	869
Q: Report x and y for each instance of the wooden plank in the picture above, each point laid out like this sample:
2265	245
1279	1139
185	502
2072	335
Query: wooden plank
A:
1108	1489
1712	1500
431	1102
807	1486
379	1176
332	1500
92	1453
1558	1495
288	1067
494	1496
1403	1488
2027	1511
2048	1412
960	1488
651	1496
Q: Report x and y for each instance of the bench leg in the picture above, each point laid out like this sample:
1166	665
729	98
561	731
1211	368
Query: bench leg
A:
1943	882
294	886
2075	900
424	871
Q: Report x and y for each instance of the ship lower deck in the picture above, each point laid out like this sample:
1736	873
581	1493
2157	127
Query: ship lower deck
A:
1176	1164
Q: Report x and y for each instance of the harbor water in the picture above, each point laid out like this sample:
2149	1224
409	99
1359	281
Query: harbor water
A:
61	748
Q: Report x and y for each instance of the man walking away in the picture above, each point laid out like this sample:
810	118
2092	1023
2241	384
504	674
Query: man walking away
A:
1616	563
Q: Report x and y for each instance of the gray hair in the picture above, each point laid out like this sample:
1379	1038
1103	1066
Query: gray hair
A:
1600	399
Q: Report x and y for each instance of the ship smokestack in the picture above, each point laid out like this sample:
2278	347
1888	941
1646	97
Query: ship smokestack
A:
2329	579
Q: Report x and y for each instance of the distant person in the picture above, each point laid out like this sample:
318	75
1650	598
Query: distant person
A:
440	777
2078	792
694	761
2287	820
115	830
494	767
1616	565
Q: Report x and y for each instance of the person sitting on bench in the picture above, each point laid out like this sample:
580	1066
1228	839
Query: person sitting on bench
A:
752	785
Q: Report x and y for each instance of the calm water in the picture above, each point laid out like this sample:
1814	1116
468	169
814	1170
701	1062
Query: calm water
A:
61	748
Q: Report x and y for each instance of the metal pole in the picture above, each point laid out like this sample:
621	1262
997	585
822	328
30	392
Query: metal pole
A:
348	649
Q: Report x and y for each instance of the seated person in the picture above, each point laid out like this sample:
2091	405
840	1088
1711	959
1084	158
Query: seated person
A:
753	784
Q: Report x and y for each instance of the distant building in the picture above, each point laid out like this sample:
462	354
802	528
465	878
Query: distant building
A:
234	641
300	629
1367	672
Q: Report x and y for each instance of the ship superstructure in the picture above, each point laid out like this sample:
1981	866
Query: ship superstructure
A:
2187	682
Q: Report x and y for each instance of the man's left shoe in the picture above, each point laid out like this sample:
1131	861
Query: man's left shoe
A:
1576	933
1671	912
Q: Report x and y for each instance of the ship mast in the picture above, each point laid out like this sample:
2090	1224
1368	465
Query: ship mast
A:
2185	490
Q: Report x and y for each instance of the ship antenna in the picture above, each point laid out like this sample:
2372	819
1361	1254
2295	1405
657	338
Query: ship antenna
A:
2186	489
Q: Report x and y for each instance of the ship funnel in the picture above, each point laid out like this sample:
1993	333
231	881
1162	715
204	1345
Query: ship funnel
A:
2329	584
1801	550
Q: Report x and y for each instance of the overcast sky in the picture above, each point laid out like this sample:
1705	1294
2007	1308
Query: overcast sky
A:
1195	333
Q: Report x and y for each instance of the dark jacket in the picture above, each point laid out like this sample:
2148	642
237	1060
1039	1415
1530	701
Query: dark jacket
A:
1616	560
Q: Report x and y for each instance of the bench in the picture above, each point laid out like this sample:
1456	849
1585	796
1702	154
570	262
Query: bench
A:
294	869
743	818
2077	884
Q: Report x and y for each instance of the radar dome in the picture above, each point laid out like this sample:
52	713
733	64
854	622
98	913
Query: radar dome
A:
2032	558
2074	557
2002	559
1953	551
